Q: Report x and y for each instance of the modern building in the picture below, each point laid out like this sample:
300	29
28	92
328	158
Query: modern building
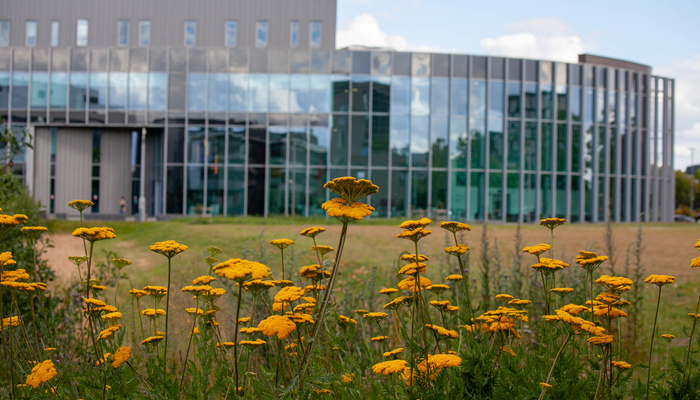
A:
247	108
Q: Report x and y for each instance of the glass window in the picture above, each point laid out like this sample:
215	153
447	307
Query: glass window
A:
31	34
576	103
514	100
216	144
547	147
562	104
278	145
547	101
458	195
529	195
545	196
318	145
459	96
496	100
4	33
261	34
294	34
339	140
257	95
341	92
279	93
315	38
195	144
157	91
477	136
175	182
78	90
54	33
458	142
420	134
438	202
495	143
562	147
98	90
190	33
399	141
230	33
439	144
195	190
237	92
144	33
359	148
477	99
495	202
440	96
117	90
123	33
320	94
476	196
59	86
419	193
197	92
81	36
380	141
20	88
40	83
530	146
420	96
381	92
236	145
576	148
514	145
298	145
299	94
360	93
217	92
530	100
138	90
400	95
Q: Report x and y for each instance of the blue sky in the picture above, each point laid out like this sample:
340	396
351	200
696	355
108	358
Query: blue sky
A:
663	35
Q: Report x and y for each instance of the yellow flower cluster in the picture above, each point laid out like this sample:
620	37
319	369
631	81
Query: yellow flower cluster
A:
338	208
454	227
552	223
457	250
615	284
621	364
281	243
108	332
169	248
277	325
34	230
94	234
10	221
446	333
660	280
343	320
389	367
121	356
312	232
80	205
549	266
322	249
11	322
289	294
410	284
414	235
240	270
351	189
537	249
6	259
120	262
203	280
42	372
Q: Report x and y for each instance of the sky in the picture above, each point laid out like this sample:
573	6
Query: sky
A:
664	35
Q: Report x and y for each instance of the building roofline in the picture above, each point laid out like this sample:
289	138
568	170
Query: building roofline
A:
613	62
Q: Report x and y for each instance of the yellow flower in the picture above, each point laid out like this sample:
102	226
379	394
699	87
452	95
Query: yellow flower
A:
343	320
393	353
561	291
508	350
545	385
601	340
453	226
321	391
121	356
454	277
289	294
6	259
379	338
574	309
34	231
504	298
361	312
414	235
457	250
589	261
120	262
153	340
252	343
41	373
437	288
413	268
611	312
347	377
411	258
226	345
77	260
138	293
389	367
169	248
300	318
203	280
80	205
375	316
281	243
410	283
412	225
695	262
552	223
19	286
152	312
94	302
94	234
660	280
549	266
323	250
339	209
537	249
309	271
446	333
388	291
351	189
312	232
668	337
197	290
11	322
277	325
113	316
240	270
108	332
614	283
621	364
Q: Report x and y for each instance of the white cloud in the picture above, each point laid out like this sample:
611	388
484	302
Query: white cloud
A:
538	38
364	30
687	101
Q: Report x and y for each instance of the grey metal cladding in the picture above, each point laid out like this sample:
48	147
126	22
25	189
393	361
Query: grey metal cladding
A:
168	18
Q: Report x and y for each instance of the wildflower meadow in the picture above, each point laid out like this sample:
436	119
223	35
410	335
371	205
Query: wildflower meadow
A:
289	326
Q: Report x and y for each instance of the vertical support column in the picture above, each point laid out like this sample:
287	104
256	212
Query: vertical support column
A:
142	182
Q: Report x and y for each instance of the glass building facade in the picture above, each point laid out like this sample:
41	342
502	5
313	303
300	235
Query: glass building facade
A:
258	131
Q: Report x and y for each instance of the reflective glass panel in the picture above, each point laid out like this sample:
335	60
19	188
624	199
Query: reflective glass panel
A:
230	33
256	191
477	136
440	96
419	194
547	101
279	93
235	191
257	96
190	33
341	92
318	146
359	150
237	92
299	94
217	92
31	34
54	33
40	87
216	141
297	145
78	90
439	141
360	93
400	95
197	92
297	192
547	147
458	189
81	37
575	198
530	146
175	183
438	197
399	141
317	194
157	91
320	94
477	187
399	192
98	90
315	39
530	100
276	182
529	198
195	190
514	145
576	148
118	89
138	90
215	190
195	144
458	142
59	85
294	34
562	147
512	197
4	33
576	104
381	91
420	96
339	140
477	99
261	34
176	145
20	90
459	96
496	100
278	145
420	131
496	144
256	145
123	33
562	103
561	196
144	33
236	145
380	201
590	111
545	196
380	141
514	100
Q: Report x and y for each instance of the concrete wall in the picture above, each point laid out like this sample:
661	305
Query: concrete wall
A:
115	171
73	167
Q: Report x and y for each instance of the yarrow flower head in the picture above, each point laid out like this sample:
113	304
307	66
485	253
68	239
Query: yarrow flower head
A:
351	189
414	235
94	234
120	262
121	356
240	270
552	223
537	249
42	372
457	250
80	205
281	243
454	227
343	211
323	250
169	248
668	337
412	225
277	325
660	280
312	232
34	231
389	367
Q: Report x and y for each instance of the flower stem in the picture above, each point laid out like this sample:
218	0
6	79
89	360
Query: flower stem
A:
189	344
690	342
235	335
551	370
651	345
167	314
